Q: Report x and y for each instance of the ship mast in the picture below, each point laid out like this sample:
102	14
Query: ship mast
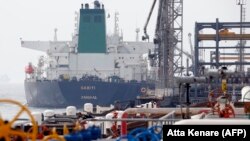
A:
55	35
116	27
137	30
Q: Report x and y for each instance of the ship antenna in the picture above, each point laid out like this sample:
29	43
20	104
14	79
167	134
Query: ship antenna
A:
137	30
55	36
121	38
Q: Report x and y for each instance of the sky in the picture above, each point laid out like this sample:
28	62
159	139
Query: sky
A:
37	19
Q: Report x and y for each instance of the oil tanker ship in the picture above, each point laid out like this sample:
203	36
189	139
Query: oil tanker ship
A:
91	68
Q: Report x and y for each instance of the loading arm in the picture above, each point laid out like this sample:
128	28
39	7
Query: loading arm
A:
146	36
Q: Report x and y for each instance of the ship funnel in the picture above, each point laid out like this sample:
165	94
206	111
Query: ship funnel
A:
89	28
97	4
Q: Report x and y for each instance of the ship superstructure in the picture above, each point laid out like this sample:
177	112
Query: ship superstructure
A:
86	66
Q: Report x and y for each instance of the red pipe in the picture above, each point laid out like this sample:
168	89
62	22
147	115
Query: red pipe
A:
124	125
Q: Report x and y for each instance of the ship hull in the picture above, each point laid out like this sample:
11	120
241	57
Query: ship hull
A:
77	93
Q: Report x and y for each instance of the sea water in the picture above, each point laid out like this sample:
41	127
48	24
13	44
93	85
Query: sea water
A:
15	91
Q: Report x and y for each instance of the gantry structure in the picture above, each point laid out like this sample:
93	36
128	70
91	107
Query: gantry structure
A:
226	55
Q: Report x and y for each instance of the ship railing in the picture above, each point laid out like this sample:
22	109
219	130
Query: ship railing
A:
164	121
105	77
237	116
103	74
168	119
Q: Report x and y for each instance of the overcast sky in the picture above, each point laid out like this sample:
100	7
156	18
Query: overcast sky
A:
36	20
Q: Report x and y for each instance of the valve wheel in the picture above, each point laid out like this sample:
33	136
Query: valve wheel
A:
212	96
228	112
6	131
54	135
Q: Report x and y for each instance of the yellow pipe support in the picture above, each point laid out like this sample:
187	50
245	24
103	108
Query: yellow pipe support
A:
224	37
224	85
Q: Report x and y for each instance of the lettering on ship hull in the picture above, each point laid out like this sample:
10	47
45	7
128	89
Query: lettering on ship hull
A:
89	97
87	88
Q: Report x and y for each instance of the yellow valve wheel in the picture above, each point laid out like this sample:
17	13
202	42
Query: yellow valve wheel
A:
54	135
6	131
